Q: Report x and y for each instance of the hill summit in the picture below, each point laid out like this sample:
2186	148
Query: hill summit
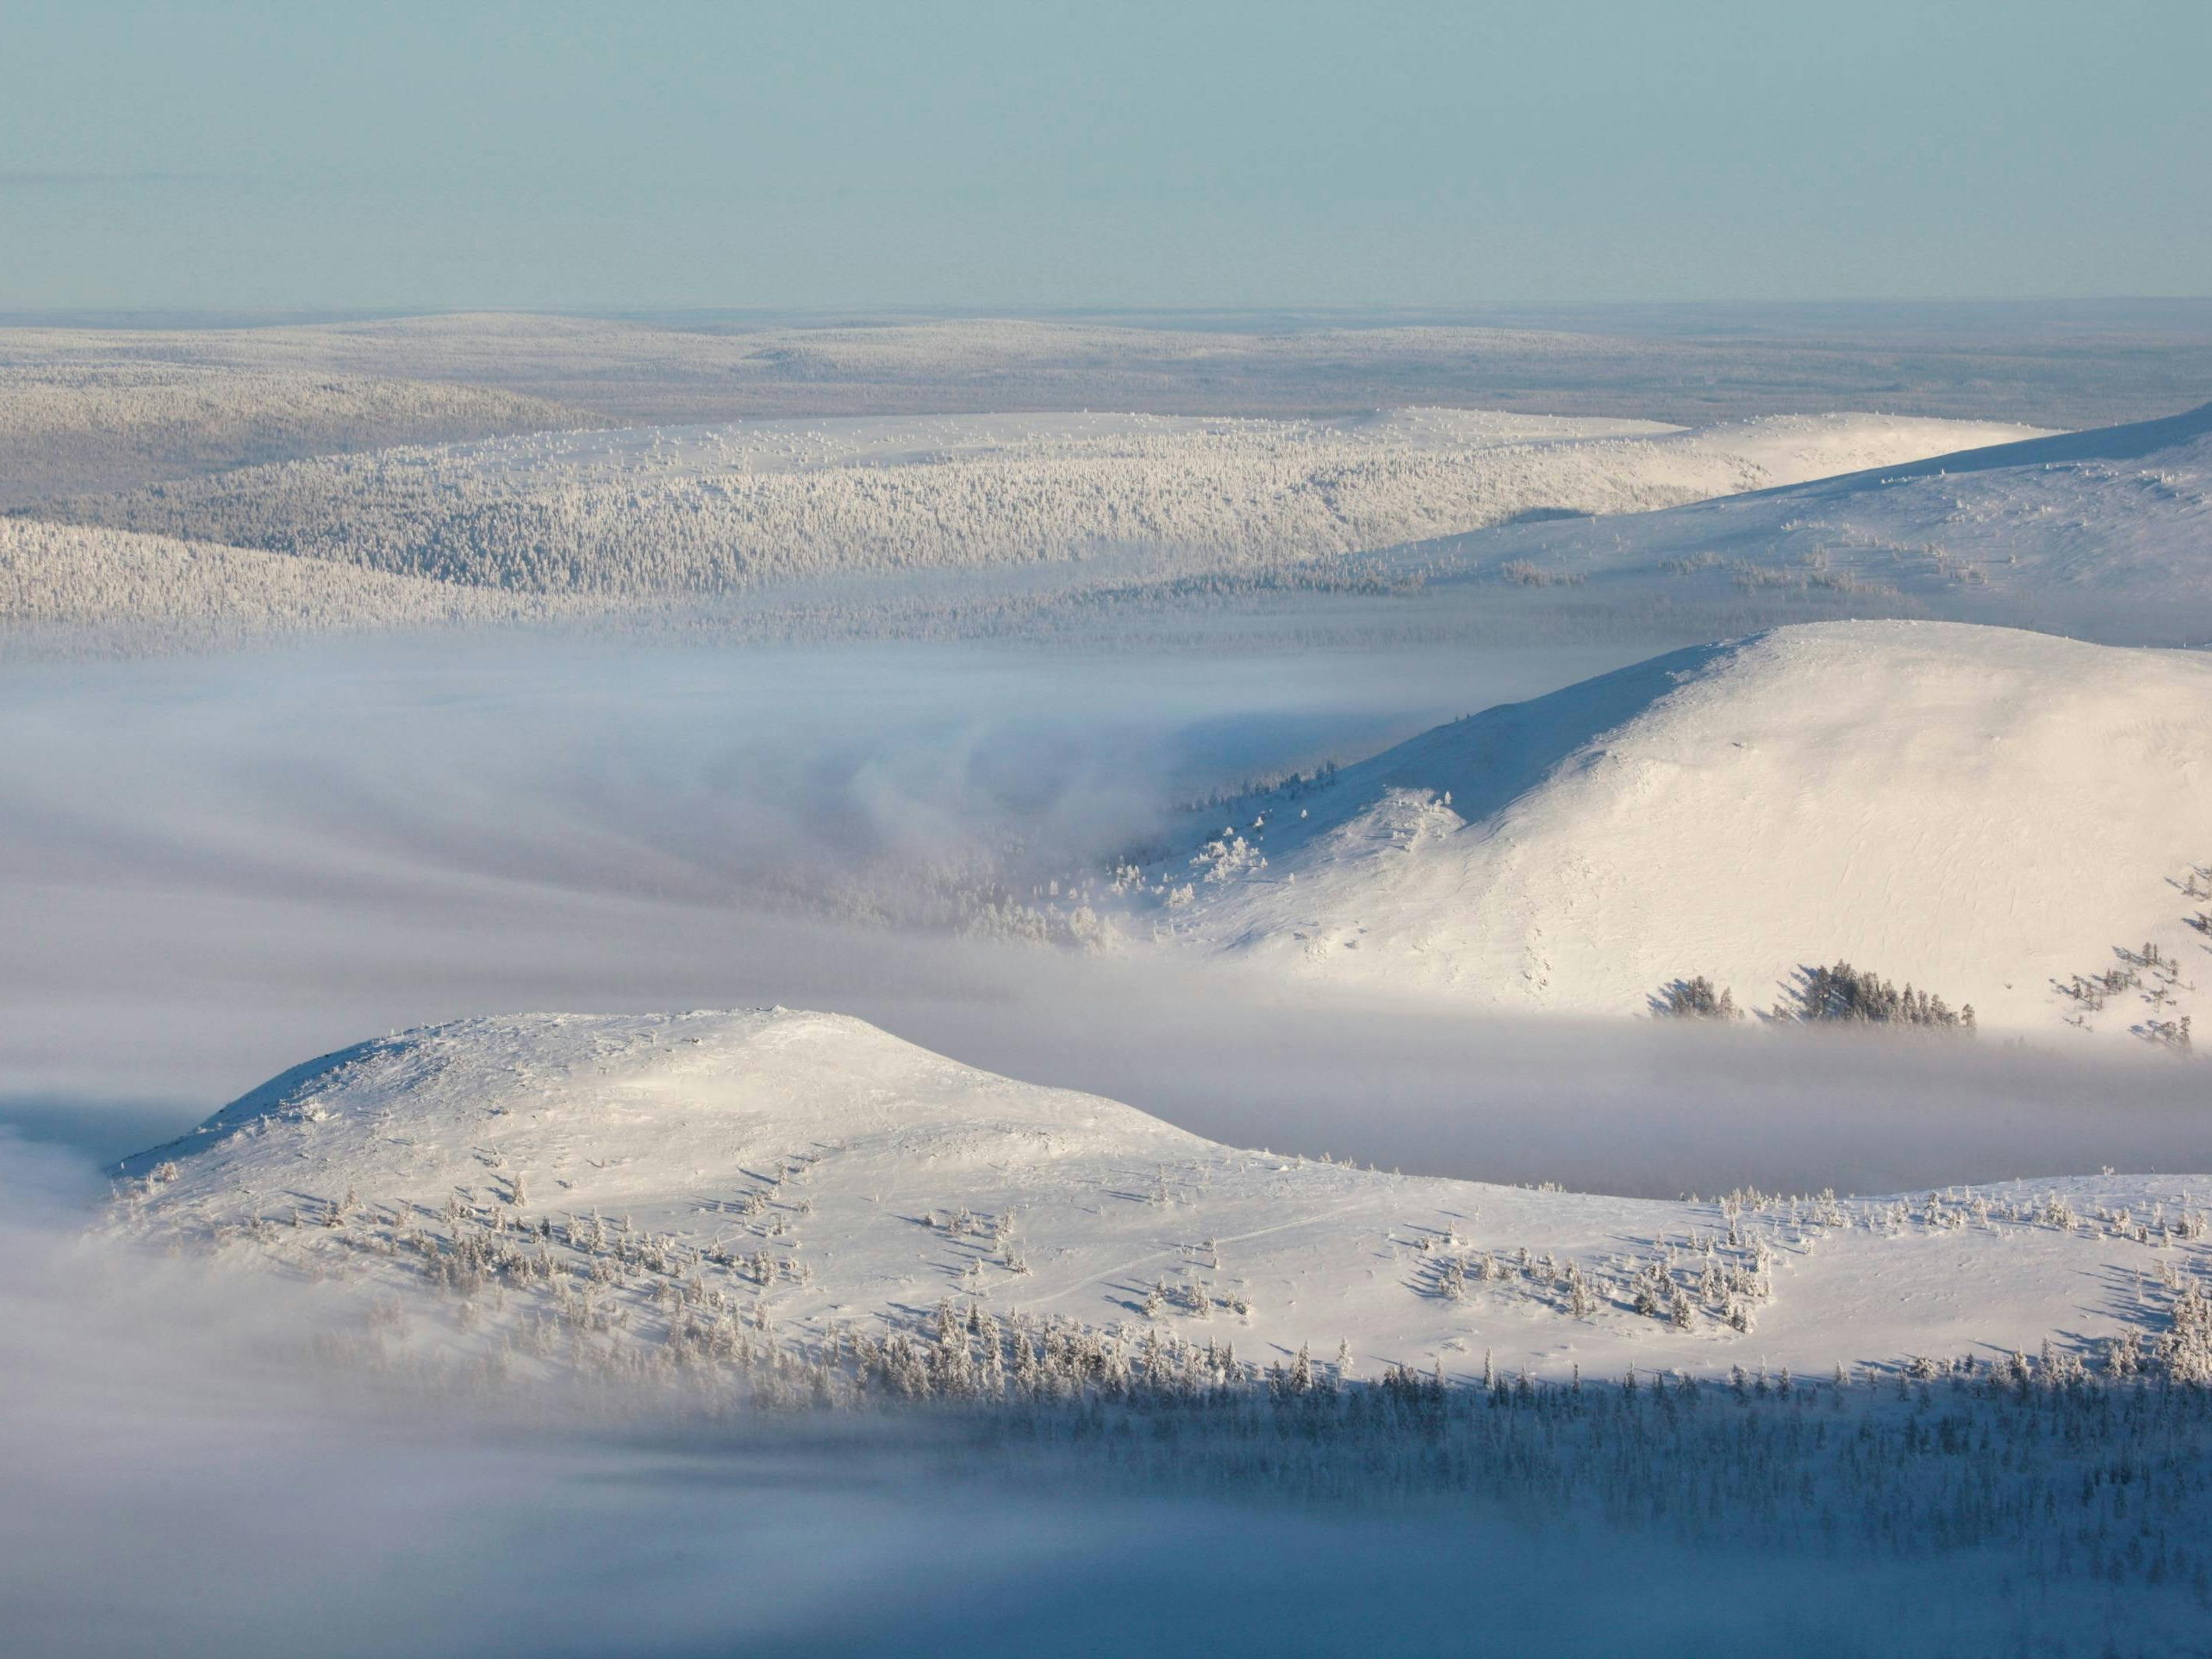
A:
1989	814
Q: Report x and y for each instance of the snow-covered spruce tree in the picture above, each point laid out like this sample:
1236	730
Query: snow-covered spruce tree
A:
1693	998
1582	1299
1841	993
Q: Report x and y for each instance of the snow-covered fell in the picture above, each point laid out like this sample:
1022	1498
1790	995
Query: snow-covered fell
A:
102	411
706	509
1986	813
575	1187
2107	531
69	583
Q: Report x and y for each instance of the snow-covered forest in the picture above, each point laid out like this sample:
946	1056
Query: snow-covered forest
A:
71	587
100	420
706	511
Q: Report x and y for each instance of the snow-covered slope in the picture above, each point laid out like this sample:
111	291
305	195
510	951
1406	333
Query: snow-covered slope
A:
705	509
1985	812
77	581
102	417
2095	530
571	1185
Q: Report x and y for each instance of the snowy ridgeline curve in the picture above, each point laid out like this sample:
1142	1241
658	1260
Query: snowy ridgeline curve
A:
2098	530
75	583
2002	819
82	413
640	1194
660	511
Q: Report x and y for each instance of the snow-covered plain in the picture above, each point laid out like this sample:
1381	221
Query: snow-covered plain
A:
604	1190
2059	366
1996	817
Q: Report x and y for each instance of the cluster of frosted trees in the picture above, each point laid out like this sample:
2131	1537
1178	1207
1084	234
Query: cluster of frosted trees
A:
1838	995
683	517
1843	993
2153	973
1694	999
1705	1277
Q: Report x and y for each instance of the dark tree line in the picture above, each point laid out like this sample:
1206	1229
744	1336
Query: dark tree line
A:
1849	995
1839	995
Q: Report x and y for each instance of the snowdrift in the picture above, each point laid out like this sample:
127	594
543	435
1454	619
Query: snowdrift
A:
1997	817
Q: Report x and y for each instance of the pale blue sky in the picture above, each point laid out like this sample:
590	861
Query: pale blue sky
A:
227	155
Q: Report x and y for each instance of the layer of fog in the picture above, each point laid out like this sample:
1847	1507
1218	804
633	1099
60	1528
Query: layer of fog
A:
188	1474
217	868
214	869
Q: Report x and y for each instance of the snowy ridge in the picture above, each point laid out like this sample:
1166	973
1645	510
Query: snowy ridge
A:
577	1189
2133	441
707	509
71	583
1991	815
2104	530
610	1110
100	417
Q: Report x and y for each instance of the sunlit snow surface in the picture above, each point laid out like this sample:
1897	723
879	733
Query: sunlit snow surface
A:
1997	817
2100	533
873	1533
853	1177
291	1435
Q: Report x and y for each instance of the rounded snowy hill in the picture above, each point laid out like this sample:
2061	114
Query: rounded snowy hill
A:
603	1192
621	1111
2105	532
661	510
1984	813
